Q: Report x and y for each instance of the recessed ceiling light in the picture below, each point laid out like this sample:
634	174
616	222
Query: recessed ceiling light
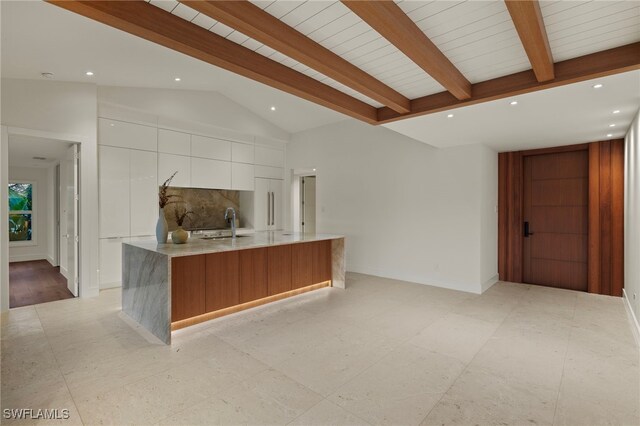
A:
609	135
272	108
612	125
89	73
177	79
450	116
597	86
616	111
513	103
314	170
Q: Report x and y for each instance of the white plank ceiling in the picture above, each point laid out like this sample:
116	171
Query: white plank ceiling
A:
478	36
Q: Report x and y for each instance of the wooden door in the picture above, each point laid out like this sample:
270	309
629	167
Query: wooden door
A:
222	282
555	207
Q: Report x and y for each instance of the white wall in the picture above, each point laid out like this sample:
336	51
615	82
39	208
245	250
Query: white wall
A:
65	111
632	217
189	106
408	210
40	227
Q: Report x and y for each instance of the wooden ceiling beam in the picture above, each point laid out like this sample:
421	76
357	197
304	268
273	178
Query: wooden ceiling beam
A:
156	25
527	18
393	24
595	65
254	22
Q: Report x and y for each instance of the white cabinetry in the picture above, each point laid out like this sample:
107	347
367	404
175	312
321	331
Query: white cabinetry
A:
127	135
211	174
268	204
242	177
144	192
242	153
114	192
215	149
170	163
111	261
265	156
171	142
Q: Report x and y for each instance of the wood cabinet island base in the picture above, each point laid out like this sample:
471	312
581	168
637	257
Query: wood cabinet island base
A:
167	287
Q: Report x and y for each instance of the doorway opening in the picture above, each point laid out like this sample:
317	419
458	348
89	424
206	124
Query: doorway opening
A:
308	204
43	219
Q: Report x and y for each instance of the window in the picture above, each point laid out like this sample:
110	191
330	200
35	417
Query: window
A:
21	230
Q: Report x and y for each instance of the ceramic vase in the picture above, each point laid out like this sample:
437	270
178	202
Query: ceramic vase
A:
179	236
162	228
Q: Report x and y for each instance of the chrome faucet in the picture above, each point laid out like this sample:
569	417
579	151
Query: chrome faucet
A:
233	220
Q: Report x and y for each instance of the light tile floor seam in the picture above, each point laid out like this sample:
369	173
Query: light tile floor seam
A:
60	370
466	367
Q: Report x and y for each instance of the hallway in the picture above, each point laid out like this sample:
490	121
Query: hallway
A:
36	282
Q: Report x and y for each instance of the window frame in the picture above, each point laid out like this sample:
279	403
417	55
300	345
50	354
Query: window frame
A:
33	241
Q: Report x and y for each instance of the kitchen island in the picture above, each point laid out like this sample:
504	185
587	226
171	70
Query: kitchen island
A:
166	287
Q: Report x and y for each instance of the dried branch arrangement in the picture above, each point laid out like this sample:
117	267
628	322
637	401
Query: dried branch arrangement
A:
181	213
163	197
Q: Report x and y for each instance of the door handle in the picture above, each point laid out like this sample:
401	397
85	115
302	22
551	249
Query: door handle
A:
273	208
526	230
268	208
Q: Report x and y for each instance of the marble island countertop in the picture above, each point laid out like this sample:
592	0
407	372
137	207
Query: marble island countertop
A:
195	246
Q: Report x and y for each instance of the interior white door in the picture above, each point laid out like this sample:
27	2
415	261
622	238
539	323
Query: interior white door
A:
71	215
308	204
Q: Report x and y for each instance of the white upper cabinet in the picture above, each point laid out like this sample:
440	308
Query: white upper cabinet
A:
144	192
269	157
215	149
114	191
170	163
242	177
127	135
242	153
171	142
212	174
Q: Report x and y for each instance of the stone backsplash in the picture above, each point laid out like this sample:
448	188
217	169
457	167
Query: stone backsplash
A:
208	206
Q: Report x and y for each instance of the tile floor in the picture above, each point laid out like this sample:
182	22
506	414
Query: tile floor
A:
380	352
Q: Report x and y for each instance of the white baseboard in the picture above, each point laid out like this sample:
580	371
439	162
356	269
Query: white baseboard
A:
104	286
64	272
634	319
26	257
489	283
51	261
467	288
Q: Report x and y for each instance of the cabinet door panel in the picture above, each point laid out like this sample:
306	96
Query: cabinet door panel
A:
188	275
321	266
242	177
279	269
111	262
302	265
241	153
171	142
222	288
114	192
253	274
269	156
277	209
215	149
144	192
169	163
212	174
127	135
261	204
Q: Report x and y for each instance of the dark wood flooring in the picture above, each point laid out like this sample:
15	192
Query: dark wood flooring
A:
36	282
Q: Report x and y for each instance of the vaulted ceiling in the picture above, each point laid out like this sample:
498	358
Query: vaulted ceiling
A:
381	61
